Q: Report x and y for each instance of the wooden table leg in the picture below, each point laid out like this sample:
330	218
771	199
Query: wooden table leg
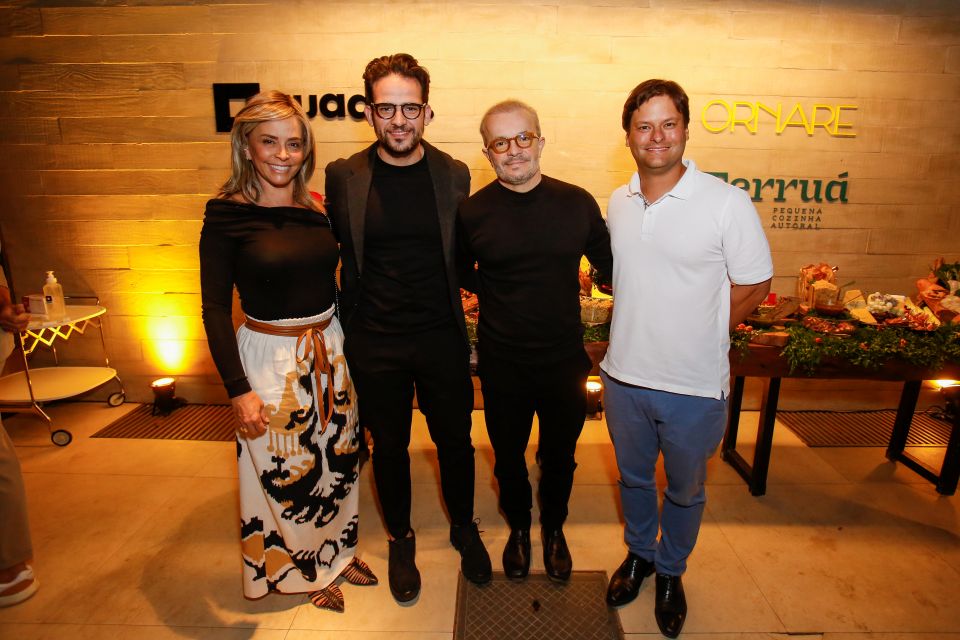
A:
734	406
950	471
901	424
728	449
768	418
946	480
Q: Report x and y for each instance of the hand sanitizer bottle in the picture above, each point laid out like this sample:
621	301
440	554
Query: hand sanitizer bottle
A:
53	296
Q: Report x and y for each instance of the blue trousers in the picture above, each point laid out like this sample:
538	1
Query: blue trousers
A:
687	430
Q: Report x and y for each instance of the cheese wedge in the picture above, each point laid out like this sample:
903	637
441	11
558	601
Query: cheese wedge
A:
861	314
929	315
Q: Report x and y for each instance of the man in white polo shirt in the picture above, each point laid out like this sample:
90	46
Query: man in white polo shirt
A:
681	238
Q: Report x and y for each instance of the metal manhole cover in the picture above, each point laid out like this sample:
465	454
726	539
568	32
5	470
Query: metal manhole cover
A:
536	609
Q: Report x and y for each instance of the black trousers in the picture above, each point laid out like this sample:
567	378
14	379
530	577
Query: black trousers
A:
512	393
386	369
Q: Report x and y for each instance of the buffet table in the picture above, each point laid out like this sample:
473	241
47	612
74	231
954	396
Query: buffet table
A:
768	363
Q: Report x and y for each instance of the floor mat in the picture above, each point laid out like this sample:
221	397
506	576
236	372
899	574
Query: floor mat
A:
862	428
191	422
536	609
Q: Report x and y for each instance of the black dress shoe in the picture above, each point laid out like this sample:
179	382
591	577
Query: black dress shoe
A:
556	555
474	559
625	582
516	554
402	570
671	605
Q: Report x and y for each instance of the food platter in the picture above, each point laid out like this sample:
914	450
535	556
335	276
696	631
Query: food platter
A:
840	328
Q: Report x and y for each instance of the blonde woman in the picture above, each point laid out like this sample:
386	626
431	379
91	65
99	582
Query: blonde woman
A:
284	369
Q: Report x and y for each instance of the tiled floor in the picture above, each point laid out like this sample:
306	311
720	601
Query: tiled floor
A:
137	540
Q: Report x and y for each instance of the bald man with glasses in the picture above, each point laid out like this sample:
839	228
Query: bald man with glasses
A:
393	207
525	234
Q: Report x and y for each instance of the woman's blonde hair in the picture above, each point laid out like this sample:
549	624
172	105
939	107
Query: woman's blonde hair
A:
265	107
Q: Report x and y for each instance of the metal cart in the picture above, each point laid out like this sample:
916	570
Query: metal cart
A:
26	391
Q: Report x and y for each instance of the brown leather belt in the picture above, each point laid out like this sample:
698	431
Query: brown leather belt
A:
311	337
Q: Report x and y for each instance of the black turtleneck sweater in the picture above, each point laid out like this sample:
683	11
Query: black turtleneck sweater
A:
527	248
282	261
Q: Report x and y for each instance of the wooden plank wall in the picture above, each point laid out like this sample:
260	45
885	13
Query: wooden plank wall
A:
108	149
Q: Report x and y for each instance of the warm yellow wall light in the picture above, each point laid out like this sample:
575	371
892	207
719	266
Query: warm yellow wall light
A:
165	345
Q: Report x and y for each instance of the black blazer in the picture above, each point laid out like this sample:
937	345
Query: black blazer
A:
346	191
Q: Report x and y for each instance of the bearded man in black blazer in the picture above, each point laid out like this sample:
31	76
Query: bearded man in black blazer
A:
393	208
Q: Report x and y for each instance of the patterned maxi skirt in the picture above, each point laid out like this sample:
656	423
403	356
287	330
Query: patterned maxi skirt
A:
298	481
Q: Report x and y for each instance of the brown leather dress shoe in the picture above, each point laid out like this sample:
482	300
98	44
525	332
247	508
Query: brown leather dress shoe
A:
404	577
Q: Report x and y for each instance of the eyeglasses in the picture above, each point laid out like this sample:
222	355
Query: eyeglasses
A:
523	139
410	110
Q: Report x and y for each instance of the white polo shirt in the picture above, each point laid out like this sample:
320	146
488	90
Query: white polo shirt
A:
673	262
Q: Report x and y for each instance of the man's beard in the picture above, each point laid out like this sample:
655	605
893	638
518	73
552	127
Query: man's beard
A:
392	148
511	178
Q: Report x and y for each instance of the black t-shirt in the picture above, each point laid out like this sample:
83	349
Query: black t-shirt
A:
282	261
404	283
527	247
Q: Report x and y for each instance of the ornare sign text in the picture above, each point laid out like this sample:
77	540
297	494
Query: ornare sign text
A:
720	115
